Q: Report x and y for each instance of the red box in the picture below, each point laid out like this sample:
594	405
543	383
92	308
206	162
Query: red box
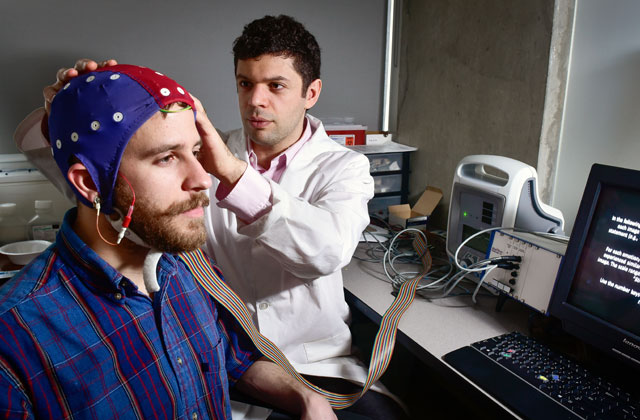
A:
347	135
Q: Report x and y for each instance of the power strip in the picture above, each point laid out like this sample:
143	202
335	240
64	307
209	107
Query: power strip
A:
532	280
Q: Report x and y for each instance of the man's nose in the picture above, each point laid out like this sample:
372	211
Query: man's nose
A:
258	96
197	179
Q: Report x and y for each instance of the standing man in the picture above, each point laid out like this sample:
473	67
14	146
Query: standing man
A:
289	204
95	328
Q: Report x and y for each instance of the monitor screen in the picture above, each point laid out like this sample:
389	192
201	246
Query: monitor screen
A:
607	279
480	243
597	294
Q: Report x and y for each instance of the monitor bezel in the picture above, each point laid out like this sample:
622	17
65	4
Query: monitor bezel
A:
621	344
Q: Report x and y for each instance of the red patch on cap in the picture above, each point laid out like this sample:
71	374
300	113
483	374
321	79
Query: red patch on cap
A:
163	89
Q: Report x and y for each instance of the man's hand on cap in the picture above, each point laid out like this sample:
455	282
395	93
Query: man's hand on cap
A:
215	156
63	76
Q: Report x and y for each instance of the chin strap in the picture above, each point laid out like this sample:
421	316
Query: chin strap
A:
149	271
207	276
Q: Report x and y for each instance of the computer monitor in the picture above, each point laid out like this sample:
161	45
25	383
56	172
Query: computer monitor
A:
597	293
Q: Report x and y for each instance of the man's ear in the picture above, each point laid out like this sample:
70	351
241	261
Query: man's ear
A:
81	180
313	93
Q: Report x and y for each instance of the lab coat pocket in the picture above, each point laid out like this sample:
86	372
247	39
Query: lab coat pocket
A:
335	346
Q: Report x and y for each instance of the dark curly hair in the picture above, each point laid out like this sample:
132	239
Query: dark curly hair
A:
283	36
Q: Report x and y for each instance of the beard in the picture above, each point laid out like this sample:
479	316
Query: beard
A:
159	228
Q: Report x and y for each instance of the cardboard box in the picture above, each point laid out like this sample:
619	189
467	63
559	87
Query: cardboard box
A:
347	135
415	217
378	137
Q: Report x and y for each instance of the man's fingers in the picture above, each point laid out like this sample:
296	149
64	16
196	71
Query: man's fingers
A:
197	103
49	92
202	120
85	65
62	75
200	109
107	63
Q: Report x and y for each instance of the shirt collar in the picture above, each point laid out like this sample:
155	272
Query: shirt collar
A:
85	262
280	162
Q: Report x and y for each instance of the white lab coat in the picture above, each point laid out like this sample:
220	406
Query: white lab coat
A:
287	264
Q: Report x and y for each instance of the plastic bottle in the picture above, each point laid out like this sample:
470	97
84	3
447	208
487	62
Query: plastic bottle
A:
44	225
12	226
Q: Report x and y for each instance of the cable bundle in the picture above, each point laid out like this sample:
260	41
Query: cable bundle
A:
443	277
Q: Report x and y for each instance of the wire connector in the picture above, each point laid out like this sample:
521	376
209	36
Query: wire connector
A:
125	224
121	235
509	266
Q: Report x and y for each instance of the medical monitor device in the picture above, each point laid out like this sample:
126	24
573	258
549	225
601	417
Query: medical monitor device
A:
597	293
494	191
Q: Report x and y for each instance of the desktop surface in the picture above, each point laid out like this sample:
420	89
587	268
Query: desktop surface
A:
438	326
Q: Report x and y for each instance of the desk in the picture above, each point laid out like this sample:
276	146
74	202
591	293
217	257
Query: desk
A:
431	329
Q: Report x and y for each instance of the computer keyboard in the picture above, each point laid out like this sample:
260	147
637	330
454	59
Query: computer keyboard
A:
538	383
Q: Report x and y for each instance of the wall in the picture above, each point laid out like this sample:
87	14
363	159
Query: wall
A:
472	81
190	41
600	121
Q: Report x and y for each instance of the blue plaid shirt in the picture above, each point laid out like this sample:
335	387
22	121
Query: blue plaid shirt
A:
77	340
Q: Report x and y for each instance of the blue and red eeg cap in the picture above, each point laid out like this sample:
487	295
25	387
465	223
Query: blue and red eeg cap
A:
95	114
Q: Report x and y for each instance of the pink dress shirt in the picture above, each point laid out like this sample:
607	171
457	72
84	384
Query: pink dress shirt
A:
250	198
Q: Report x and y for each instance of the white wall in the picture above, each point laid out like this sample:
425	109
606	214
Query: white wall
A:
601	120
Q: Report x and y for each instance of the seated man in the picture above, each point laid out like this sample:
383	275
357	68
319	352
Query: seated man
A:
103	325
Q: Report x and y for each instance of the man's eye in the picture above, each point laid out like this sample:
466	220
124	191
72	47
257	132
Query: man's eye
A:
243	83
196	153
277	86
166	159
